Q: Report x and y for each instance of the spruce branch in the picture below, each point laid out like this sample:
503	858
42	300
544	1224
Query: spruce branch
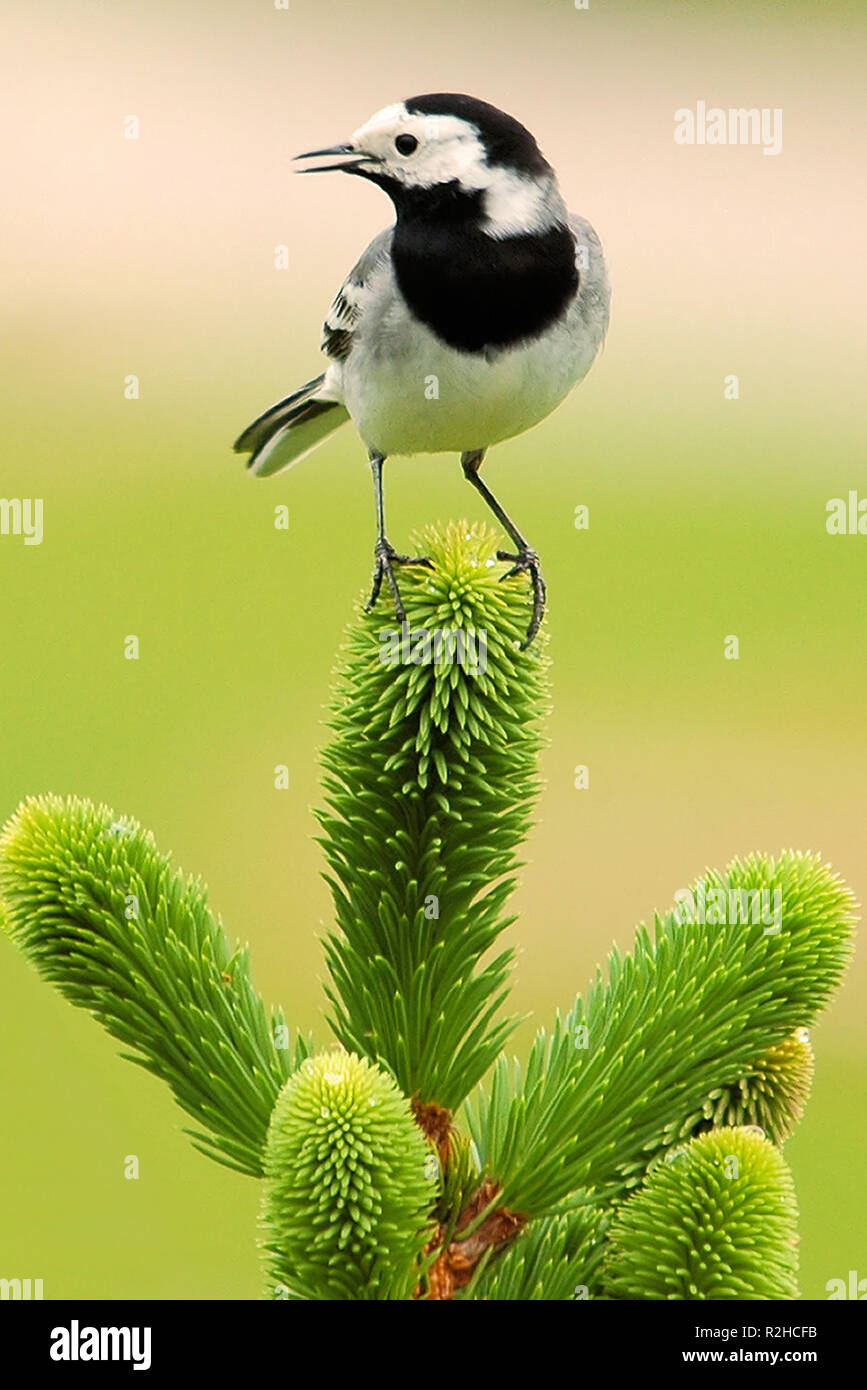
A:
717	1220
618	1162
690	1012
430	782
102	915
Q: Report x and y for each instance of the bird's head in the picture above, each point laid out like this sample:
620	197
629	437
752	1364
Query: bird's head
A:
453	155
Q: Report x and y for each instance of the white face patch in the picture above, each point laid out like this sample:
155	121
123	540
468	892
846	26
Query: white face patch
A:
450	148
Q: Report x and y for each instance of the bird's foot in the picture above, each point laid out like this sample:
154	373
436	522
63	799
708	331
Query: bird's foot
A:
386	558
527	559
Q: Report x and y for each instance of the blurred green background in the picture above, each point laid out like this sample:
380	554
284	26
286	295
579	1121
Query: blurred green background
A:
156	257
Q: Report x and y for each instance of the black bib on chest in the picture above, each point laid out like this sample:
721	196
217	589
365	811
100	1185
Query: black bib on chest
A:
473	291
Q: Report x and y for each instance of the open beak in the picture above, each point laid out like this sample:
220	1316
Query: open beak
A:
358	163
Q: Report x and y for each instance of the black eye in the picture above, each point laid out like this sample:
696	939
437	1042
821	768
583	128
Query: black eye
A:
406	144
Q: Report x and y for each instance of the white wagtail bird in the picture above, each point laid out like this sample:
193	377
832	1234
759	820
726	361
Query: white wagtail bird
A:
464	324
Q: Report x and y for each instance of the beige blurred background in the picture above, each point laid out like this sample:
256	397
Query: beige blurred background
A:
155	257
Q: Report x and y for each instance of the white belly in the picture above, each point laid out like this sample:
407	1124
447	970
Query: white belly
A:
412	394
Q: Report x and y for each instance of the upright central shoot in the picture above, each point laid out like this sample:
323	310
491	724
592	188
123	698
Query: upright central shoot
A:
431	777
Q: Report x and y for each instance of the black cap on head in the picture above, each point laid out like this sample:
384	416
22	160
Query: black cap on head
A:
506	141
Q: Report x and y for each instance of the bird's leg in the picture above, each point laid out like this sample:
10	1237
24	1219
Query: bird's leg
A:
386	555
526	558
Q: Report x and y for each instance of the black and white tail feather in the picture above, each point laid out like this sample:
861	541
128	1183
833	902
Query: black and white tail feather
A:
295	426
291	429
